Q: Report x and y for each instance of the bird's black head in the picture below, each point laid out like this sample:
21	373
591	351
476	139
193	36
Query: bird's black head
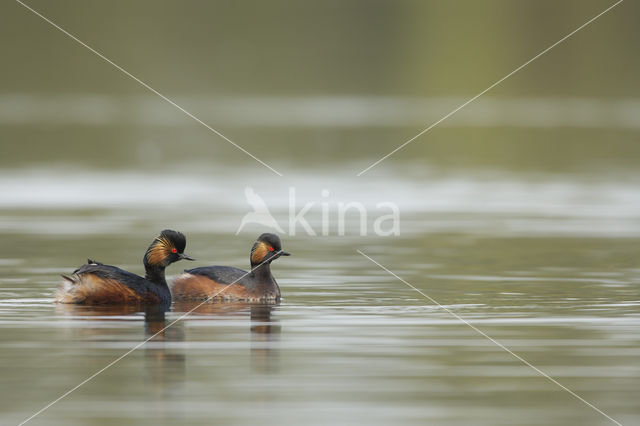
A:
267	248
166	248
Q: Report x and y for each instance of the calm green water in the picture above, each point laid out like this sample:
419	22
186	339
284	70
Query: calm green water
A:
349	344
520	213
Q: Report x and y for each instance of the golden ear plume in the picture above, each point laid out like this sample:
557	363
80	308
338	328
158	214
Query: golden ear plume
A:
159	251
259	253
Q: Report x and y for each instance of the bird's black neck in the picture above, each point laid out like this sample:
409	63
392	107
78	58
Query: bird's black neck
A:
261	272
155	274
263	281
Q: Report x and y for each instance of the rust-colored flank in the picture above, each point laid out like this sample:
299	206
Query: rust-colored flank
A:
92	290
198	287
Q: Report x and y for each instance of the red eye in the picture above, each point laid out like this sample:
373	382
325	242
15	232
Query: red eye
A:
174	250
270	248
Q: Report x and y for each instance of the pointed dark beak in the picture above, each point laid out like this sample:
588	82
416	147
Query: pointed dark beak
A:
285	253
185	257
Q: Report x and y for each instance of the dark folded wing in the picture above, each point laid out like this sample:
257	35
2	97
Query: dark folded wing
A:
221	274
109	272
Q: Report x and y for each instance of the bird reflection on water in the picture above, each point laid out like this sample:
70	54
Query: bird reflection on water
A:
164	363
264	330
165	360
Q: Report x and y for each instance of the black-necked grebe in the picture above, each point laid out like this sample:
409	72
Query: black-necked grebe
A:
228	283
96	283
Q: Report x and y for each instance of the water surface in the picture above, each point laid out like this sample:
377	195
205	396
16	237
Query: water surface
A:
552	275
520	213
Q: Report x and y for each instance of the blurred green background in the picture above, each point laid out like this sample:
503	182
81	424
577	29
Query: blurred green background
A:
319	84
521	213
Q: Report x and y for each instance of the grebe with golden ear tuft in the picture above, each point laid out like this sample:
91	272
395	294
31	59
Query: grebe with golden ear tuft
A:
97	284
228	283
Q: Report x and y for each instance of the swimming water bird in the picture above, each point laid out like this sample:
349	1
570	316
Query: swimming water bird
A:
96	283
228	283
